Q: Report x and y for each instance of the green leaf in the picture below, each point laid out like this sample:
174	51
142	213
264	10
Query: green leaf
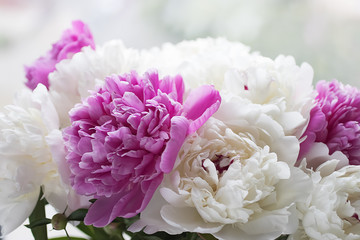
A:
100	234
78	215
93	232
39	232
39	222
88	230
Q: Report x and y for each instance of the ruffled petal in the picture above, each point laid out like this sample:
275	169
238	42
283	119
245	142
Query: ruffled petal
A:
200	105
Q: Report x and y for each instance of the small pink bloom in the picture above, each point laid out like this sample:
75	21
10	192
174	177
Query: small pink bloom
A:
335	121
71	42
126	135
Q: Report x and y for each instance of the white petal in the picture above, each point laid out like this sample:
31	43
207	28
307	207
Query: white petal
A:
188	220
15	208
151	220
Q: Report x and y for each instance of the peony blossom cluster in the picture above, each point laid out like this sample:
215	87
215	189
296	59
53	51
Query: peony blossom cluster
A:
202	136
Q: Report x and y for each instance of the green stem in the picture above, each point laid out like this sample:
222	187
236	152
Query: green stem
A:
67	234
40	232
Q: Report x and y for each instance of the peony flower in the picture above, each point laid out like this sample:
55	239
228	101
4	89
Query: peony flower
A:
282	89
332	210
126	135
229	182
71	42
27	131
334	129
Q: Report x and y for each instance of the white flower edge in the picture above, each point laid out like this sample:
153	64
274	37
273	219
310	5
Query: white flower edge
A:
27	163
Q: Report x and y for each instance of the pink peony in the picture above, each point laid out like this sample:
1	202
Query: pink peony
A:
71	42
126	135
334	121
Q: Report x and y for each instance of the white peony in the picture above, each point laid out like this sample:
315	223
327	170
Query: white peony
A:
332	210
283	89
228	182
27	132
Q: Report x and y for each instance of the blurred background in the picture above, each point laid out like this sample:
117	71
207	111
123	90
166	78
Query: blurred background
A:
324	33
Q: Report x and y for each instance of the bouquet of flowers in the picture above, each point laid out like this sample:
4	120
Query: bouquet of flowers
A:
199	140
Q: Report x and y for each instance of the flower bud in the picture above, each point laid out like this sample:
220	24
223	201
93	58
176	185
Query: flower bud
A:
59	221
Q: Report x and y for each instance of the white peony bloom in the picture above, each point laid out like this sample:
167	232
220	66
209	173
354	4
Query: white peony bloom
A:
283	89
229	183
26	133
333	208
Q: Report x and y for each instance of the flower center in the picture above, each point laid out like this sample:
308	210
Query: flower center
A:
356	216
221	163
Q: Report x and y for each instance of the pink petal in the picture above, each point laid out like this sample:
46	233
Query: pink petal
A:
200	105
127	205
132	100
99	212
178	133
174	87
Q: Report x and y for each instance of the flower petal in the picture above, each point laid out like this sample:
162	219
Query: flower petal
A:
201	104
190	220
178	133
